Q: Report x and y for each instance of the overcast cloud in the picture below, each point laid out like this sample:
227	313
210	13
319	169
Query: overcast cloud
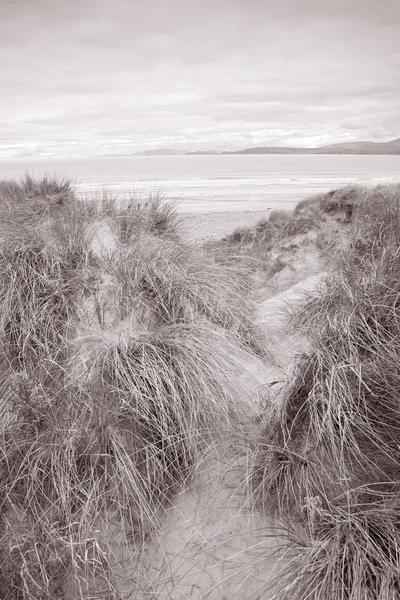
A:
89	77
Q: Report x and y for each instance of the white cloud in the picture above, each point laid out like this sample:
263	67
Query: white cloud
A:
84	77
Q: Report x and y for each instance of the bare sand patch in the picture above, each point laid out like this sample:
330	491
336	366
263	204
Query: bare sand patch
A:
272	316
204	227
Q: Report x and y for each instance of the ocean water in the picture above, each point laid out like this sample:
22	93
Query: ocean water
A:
216	183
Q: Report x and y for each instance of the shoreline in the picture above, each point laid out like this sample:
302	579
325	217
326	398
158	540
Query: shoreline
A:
202	227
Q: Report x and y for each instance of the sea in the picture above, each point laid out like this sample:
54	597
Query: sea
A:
214	183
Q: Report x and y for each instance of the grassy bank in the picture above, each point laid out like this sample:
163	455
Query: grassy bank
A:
328	455
288	246
121	361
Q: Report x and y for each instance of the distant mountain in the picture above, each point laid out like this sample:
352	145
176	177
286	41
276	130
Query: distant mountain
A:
159	152
272	150
392	147
203	152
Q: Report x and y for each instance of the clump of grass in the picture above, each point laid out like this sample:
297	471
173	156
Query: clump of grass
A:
29	203
280	225
347	204
307	240
332	433
349	555
243	234
340	203
71	233
39	292
153	215
28	188
171	390
171	282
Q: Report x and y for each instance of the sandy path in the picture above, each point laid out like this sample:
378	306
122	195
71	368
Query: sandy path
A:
272	315
212	545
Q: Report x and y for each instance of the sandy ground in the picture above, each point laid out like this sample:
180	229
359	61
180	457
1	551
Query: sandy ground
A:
272	316
214	225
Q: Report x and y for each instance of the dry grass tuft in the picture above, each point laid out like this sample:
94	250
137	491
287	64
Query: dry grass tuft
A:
347	556
134	216
39	290
171	282
28	204
153	216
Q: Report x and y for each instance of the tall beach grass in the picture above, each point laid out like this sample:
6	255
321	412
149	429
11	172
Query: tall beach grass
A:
328	457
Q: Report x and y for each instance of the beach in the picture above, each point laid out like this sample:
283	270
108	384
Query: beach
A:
202	227
205	184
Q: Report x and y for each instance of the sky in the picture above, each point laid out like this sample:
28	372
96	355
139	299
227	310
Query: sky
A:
92	77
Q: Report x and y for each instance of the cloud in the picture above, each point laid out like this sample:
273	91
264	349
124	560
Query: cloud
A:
87	76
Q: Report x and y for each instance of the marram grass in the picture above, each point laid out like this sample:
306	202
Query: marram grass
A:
329	456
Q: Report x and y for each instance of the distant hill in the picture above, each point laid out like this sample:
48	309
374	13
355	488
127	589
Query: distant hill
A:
272	150
159	152
392	147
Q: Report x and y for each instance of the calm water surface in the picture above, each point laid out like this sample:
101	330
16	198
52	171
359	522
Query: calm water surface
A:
216	183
